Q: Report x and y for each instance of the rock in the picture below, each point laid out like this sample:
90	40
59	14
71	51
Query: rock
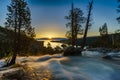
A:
72	51
107	57
78	51
12	74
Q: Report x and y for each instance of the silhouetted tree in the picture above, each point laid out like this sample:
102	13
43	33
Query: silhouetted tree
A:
117	32
103	30
116	39
104	39
75	21
118	10
20	22
90	6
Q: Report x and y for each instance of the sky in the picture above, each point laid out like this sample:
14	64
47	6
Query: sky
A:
48	16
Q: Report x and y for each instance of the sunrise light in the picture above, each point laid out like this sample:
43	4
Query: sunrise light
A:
49	37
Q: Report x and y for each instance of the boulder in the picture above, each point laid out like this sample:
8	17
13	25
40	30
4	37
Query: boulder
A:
12	74
72	51
107	57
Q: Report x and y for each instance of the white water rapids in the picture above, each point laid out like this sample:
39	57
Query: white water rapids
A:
77	68
74	68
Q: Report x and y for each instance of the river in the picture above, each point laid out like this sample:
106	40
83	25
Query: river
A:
90	66
75	68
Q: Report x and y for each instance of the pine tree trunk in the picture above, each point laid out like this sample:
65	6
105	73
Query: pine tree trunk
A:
87	25
13	59
72	22
16	44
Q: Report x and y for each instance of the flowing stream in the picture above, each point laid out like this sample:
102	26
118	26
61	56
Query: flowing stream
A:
75	68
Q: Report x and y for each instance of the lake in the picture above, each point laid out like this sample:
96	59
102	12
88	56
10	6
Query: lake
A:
53	42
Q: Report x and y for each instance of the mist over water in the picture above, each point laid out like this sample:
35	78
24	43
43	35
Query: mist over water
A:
77	68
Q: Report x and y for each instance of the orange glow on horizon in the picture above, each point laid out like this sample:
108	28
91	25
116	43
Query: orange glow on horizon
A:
55	31
49	35
50	30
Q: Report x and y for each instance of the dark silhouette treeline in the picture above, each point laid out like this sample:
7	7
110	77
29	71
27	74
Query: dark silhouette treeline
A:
7	43
38	48
29	46
107	40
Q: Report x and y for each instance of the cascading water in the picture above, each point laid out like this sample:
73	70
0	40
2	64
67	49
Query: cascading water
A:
88	67
78	68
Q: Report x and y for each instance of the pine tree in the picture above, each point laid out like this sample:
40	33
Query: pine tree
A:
103	30
118	10
90	6
19	21
75	21
104	39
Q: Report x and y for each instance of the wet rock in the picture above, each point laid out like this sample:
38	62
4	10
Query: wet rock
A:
107	57
12	74
72	51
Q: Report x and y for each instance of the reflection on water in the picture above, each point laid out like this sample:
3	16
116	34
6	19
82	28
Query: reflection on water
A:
53	44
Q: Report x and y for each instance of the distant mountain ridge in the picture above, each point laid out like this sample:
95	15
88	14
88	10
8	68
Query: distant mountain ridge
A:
53	39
